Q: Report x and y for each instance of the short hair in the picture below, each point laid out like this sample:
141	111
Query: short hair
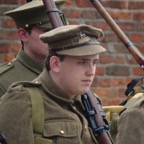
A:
47	60
28	30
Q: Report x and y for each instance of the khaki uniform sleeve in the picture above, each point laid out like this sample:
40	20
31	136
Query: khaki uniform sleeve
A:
15	117
131	127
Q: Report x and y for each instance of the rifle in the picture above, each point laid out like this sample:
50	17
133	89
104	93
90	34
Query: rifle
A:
127	43
96	118
54	14
99	129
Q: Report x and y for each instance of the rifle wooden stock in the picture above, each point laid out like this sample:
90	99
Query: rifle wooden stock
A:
53	13
124	39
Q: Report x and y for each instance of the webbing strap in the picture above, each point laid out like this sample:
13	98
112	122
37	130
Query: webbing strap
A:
37	109
131	85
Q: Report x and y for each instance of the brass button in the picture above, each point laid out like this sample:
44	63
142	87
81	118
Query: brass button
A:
74	107
62	132
85	127
9	64
26	25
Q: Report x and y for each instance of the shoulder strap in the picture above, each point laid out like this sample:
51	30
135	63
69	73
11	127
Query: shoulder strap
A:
6	66
130	87
37	109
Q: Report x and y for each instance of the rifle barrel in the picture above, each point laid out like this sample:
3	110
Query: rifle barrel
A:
124	39
53	13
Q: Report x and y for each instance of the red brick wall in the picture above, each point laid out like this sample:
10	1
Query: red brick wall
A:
117	67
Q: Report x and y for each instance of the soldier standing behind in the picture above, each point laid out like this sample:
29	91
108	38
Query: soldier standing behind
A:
31	20
130	128
69	72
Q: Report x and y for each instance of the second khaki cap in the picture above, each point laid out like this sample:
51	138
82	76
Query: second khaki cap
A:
32	13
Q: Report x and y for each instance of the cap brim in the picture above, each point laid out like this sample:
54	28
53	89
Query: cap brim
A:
83	51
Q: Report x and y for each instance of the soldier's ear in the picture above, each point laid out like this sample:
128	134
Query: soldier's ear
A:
54	64
22	34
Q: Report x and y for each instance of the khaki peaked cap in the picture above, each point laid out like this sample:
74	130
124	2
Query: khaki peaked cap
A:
74	40
32	13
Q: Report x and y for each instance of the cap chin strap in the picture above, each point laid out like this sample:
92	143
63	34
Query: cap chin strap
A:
37	24
62	16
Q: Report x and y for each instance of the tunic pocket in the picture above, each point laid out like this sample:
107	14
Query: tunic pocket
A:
62	132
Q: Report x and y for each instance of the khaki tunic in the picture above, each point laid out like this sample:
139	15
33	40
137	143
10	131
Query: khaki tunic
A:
22	68
131	125
64	122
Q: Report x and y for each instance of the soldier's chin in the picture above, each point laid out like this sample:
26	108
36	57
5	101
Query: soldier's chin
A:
84	91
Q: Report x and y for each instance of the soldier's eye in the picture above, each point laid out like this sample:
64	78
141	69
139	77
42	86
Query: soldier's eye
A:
82	62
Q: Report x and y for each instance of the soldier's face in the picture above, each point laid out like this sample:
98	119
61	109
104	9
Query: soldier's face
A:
75	74
32	44
36	46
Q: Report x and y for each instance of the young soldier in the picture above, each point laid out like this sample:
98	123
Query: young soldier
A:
31	20
69	71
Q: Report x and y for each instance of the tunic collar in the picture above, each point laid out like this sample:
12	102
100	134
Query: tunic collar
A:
52	89
23	58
